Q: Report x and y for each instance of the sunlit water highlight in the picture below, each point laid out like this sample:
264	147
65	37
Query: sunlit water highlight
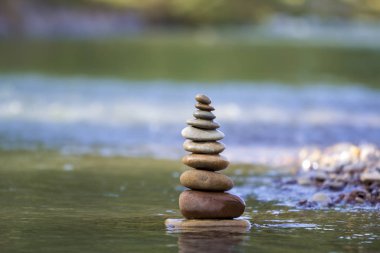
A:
263	122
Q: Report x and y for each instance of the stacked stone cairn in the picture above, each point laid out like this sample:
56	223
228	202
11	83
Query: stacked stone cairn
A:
207	197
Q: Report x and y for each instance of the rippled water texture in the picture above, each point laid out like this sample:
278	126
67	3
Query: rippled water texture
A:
263	122
59	203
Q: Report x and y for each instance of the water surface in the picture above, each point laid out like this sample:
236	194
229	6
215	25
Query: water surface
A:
55	203
73	116
264	122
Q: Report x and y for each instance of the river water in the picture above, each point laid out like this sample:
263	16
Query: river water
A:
58	203
87	195
263	122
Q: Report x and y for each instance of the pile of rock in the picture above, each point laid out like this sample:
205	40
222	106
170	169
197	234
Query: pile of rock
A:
343	173
207	197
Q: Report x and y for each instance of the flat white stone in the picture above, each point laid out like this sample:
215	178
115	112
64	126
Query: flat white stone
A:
226	225
370	176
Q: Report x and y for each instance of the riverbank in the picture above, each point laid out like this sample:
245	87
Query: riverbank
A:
197	56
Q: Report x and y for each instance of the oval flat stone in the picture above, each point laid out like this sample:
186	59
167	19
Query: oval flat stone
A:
204	107
205	180
212	147
210	205
202	123
203	115
219	225
203	99
206	162
197	134
370	176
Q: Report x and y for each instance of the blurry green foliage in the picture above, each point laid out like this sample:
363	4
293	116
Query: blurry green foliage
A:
237	11
197	12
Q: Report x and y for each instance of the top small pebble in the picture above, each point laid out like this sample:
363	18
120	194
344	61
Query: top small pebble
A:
203	99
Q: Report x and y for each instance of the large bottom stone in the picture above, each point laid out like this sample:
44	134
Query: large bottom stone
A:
184	223
210	205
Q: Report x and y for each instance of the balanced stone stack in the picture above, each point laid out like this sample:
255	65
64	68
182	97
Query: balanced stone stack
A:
207	197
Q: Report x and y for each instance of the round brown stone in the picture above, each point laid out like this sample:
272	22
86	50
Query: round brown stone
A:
203	124
206	180
210	147
203	99
206	162
204	107
203	115
197	134
210	205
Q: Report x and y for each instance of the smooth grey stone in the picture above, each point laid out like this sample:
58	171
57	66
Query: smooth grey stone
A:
211	147
197	134
204	107
370	176
203	99
206	162
321	198
203	115
202	123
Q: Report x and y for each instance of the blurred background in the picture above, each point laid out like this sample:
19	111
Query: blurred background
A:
116	77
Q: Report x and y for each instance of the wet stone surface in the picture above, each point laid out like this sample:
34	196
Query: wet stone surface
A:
340	174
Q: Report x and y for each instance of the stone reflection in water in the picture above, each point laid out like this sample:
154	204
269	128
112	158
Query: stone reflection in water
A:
217	239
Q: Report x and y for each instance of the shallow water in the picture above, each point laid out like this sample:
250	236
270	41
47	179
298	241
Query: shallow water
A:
55	203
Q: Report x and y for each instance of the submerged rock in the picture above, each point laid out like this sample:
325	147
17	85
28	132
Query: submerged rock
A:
229	225
321	198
